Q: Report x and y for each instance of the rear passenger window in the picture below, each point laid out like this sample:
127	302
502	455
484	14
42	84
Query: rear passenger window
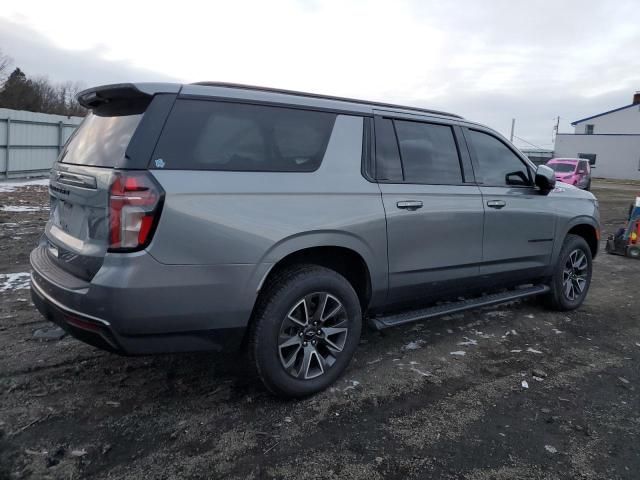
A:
428	152
207	135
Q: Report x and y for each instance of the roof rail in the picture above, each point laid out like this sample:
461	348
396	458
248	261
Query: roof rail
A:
324	97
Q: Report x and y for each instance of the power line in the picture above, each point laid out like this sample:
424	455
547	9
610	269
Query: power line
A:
529	143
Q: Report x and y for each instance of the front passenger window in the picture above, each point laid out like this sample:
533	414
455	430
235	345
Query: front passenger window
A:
497	164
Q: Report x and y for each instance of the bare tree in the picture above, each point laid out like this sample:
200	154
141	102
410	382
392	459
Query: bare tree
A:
5	64
37	94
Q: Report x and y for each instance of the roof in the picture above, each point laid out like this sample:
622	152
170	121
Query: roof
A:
324	97
94	96
604	113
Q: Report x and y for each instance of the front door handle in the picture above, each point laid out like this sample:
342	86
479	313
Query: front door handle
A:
496	204
409	204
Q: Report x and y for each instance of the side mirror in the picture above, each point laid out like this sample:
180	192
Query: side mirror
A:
545	178
517	178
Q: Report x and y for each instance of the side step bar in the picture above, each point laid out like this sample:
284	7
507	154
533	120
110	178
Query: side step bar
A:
382	322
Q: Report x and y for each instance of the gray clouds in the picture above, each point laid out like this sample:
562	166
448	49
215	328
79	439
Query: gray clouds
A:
489	61
37	56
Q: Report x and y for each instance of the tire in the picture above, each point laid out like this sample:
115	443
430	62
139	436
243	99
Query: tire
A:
588	187
290	356
570	284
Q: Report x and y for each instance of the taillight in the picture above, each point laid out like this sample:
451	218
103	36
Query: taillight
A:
135	201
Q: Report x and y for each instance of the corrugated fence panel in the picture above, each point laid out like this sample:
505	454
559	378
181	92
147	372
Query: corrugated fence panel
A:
30	160
33	134
31	141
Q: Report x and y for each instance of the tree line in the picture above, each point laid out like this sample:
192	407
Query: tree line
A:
37	94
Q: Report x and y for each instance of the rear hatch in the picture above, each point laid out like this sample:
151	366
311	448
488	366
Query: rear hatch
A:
87	183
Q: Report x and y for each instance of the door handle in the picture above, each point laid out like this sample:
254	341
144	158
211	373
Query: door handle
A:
409	204
496	204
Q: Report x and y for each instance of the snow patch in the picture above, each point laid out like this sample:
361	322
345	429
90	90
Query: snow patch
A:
459	353
533	350
414	345
11	186
14	281
22	208
354	384
420	372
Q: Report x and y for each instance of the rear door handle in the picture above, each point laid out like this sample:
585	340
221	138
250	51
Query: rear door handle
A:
409	204
496	204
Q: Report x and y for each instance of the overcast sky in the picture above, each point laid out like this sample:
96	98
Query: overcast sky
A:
488	60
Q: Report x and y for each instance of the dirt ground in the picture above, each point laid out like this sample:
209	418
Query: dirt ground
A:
439	399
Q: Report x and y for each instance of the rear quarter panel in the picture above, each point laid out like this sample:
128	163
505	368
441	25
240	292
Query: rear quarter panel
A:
257	218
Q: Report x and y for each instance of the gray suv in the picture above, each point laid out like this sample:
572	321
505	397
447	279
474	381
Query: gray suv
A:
217	216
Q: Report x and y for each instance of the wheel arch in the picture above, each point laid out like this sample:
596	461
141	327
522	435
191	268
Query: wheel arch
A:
344	260
325	248
589	231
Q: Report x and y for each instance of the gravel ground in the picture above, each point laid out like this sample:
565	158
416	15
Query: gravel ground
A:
440	399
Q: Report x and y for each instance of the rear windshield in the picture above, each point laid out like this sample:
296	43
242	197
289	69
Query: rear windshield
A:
209	135
563	167
101	141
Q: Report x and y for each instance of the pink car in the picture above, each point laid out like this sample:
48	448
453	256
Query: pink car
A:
574	171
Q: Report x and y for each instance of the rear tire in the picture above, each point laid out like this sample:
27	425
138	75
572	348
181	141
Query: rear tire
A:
305	330
572	275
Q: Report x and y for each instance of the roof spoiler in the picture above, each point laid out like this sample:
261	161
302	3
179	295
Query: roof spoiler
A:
99	96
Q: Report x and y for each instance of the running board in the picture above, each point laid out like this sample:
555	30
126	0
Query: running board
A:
403	318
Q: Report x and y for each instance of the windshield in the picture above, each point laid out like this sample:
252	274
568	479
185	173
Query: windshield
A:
562	167
101	141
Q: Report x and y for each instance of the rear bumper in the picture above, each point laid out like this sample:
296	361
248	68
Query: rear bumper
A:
93	331
136	305
99	332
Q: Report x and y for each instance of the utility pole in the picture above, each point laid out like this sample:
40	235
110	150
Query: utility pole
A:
513	126
555	130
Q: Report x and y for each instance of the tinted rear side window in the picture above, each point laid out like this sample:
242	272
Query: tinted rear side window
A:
101	140
207	135
429	153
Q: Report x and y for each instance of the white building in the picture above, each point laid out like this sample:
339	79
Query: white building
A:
539	156
610	140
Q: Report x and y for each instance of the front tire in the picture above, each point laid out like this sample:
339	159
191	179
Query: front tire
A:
306	328
572	275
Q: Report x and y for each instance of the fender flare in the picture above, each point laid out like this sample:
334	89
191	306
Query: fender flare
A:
326	238
574	222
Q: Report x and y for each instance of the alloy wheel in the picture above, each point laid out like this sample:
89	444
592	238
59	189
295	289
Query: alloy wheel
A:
312	335
575	275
